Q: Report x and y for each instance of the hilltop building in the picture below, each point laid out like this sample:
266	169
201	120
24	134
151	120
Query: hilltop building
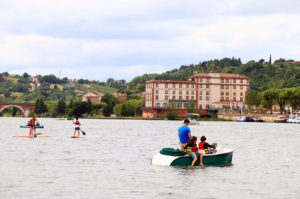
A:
93	96
208	90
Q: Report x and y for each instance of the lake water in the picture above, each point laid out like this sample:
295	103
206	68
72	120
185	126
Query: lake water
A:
113	161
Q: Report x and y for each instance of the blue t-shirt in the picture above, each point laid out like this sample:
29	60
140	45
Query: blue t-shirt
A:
183	134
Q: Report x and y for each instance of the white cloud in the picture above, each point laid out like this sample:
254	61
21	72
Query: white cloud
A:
123	39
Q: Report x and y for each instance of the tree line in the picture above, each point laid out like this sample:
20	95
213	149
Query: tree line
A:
274	96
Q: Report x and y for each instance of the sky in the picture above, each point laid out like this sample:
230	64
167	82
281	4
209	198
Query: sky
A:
99	39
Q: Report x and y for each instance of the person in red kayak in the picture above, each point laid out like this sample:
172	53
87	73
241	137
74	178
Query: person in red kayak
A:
77	126
32	123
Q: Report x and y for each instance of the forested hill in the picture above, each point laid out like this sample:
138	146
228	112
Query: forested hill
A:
264	74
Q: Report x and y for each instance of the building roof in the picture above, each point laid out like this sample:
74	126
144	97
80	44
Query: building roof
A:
214	69
170	82
224	75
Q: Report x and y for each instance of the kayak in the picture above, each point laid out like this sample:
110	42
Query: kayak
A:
38	127
172	157
27	136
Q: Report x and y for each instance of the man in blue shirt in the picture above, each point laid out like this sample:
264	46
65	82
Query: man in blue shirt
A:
184	134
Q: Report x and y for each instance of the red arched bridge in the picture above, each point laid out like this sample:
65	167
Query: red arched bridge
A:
25	108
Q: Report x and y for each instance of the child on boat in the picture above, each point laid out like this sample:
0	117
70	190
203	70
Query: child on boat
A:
77	126
191	149
204	147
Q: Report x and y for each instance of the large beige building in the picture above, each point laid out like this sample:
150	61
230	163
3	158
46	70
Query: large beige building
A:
207	90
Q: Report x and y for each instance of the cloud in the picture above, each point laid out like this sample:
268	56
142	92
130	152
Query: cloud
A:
123	39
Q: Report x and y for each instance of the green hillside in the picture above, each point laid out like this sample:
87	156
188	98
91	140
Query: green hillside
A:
24	88
264	75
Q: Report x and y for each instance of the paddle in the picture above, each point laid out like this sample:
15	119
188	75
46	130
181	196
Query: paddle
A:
83	133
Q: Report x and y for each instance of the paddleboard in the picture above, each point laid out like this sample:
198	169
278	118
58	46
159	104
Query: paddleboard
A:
38	127
27	136
75	136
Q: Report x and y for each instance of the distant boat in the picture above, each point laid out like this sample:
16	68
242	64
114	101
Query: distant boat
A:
193	118
280	119
245	119
258	119
293	119
172	157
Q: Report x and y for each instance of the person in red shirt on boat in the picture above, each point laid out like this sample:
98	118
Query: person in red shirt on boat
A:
77	126
32	123
191	149
204	147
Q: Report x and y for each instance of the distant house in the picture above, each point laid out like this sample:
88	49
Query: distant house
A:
93	96
121	96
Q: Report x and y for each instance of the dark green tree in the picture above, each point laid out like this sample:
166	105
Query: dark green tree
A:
61	107
40	107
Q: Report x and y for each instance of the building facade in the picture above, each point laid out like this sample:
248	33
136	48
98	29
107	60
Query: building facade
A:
93	96
207	90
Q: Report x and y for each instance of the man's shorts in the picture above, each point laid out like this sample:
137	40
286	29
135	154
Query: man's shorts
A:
77	129
182	145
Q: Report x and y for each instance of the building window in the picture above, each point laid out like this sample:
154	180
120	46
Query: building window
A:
241	99
227	87
222	98
234	93
187	86
180	97
200	79
207	86
200	92
222	93
222	86
165	105
222	80
207	93
207	106
174	92
227	93
179	105
227	98
192	92
187	92
156	92
174	85
180	92
166	92
156	97
173	105
192	98
200	98
166	97
186	105
207	80
192	86
187	98
234	87
200	85
234	98
156	85
157	105
241	88
166	85
173	97
234	81
227	80
207	98
241	94
241	81
180	85
200	106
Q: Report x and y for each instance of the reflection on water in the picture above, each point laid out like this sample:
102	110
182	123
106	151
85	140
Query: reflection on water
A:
113	161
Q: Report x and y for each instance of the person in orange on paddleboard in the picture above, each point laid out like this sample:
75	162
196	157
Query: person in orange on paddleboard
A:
32	123
77	126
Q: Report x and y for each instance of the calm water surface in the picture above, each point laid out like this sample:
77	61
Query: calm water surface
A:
113	161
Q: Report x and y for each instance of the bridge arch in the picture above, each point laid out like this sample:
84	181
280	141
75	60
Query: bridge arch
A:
13	105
